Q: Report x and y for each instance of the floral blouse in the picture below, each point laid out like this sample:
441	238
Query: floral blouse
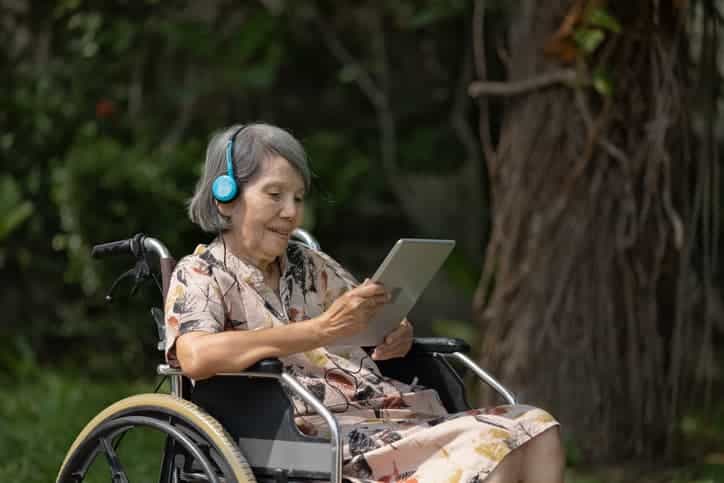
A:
212	290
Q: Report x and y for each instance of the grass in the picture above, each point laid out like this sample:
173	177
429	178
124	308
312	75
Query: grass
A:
42	412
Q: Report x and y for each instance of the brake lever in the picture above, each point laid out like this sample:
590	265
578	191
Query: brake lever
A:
124	275
139	272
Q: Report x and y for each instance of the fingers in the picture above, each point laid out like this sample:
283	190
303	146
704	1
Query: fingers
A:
401	333
369	296
367	303
390	351
397	343
369	289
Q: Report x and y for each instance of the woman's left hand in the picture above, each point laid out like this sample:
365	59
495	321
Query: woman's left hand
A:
397	343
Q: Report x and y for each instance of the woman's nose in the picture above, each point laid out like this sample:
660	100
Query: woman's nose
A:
289	209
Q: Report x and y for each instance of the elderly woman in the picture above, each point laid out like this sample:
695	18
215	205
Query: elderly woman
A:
252	294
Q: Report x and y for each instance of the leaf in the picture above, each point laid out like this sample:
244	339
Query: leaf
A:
602	83
601	18
588	40
13	209
15	218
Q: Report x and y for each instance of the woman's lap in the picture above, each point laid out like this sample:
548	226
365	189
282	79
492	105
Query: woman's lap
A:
462	447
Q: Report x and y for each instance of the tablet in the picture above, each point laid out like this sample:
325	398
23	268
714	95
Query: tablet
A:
405	273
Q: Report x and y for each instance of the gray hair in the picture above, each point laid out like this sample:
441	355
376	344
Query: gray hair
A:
253	144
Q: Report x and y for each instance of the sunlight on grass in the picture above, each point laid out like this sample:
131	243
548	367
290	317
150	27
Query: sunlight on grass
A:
42	414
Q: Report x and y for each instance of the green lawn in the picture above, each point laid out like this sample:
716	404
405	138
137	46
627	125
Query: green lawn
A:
42	413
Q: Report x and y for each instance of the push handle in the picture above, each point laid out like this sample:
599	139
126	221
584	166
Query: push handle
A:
121	247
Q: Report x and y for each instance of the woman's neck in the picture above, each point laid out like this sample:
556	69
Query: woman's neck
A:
266	265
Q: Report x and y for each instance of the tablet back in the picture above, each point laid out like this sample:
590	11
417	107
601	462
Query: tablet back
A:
405	273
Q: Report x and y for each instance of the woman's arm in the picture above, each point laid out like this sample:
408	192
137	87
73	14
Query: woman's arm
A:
202	354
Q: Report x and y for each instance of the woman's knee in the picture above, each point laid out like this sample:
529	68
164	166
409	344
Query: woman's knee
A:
548	442
544	458
550	438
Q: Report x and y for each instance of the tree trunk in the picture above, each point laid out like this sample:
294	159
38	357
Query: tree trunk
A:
596	296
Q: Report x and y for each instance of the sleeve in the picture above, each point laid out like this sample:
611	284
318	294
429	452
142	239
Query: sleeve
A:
332	280
194	303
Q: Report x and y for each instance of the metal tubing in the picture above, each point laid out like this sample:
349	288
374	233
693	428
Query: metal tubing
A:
305	237
336	437
153	245
175	385
166	370
490	380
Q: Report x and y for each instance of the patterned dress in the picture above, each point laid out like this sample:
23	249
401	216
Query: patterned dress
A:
392	431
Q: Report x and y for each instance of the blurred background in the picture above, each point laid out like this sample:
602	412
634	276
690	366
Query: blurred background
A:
571	147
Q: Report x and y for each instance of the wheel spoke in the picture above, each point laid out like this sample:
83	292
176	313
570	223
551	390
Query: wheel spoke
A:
118	474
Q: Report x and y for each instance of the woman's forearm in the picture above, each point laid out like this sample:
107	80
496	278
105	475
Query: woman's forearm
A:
201	355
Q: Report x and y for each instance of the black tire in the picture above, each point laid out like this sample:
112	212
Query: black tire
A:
185	425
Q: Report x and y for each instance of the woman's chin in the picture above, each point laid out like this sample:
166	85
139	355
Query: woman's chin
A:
277	245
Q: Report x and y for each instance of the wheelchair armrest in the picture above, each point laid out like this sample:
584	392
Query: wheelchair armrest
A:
267	366
442	345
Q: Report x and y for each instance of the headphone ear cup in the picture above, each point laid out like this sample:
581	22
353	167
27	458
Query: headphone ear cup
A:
224	188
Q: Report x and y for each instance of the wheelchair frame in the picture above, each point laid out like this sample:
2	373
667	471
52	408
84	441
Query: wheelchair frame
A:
270	458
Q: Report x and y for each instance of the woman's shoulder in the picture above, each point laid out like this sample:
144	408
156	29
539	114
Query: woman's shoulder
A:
201	261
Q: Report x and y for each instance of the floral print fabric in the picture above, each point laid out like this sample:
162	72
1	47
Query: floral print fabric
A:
392	431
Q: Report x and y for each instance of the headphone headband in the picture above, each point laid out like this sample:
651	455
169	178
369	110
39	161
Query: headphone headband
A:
225	187
230	152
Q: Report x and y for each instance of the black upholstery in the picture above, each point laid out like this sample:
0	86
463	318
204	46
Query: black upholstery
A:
441	345
249	407
267	366
431	371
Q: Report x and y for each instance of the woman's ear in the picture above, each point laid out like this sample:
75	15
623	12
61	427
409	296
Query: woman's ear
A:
225	208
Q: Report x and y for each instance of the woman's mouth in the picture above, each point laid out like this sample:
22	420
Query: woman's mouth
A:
281	233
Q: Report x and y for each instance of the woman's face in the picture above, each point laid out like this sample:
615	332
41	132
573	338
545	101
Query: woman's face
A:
269	208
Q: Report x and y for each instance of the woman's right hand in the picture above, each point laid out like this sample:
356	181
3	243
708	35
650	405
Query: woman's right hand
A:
351	312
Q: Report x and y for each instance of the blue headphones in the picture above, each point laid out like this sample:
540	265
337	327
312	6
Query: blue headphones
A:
225	187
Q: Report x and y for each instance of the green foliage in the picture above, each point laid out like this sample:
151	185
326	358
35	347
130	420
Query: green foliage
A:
104	125
464	274
13	209
602	82
598	24
460	329
589	39
599	17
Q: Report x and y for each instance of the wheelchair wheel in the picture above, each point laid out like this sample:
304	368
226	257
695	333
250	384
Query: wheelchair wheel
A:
198	438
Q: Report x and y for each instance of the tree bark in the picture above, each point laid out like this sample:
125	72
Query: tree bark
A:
590	302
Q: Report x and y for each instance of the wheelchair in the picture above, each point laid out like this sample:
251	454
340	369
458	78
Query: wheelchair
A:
215	432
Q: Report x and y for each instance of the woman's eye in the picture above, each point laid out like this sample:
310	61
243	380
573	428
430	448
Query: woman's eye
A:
275	196
299	199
